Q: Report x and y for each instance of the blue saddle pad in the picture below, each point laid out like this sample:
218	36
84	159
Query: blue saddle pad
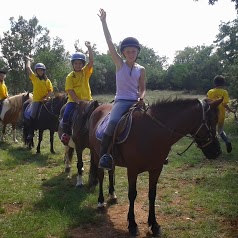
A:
27	112
102	127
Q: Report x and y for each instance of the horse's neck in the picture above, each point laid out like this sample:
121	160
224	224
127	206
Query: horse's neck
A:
16	102
181	118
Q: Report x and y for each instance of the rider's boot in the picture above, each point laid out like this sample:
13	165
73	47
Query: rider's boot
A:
106	160
66	135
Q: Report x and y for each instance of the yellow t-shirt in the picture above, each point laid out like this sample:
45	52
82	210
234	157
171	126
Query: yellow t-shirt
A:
217	93
79	82
3	91
40	87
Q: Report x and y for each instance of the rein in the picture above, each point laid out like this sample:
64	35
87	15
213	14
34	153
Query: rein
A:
51	111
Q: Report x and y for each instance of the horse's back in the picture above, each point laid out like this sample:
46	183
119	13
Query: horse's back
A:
100	112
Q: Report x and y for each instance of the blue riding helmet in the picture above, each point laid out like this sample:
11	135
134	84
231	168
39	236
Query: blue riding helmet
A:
130	42
40	66
78	56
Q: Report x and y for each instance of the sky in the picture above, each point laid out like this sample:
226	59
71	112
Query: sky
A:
166	26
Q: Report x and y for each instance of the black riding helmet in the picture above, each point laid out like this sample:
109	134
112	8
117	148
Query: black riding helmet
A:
130	42
219	80
3	71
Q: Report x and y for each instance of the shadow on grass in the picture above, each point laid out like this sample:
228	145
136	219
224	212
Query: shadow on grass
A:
19	154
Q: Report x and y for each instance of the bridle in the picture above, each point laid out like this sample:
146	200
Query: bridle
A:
201	142
51	110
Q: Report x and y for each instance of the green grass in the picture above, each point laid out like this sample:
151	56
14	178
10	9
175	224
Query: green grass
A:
196	197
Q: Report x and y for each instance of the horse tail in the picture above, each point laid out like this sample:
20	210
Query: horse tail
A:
93	174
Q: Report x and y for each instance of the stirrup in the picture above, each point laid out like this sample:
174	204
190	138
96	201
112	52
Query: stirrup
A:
65	139
106	162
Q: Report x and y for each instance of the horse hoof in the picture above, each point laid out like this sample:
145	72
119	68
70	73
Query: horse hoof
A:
52	152
67	170
79	185
113	198
156	230
101	205
134	231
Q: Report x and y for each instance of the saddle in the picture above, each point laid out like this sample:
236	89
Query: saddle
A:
27	111
122	129
87	110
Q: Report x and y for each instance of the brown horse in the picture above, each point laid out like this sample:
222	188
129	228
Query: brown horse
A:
11	112
79	139
152	133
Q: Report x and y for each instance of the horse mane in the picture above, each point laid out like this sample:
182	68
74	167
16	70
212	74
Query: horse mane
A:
173	104
59	94
16	102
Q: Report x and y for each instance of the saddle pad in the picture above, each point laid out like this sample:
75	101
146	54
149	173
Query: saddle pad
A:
27	112
102	127
121	137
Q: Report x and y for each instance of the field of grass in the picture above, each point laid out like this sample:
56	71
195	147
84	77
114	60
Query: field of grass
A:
196	197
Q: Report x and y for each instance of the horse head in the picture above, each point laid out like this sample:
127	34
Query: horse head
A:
206	135
56	102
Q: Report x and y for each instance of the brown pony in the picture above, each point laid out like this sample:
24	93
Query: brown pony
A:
11	112
152	133
79	139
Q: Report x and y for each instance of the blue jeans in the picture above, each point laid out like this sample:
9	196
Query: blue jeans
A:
119	108
68	110
34	109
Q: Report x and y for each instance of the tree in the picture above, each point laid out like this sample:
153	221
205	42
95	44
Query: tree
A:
24	38
227	45
30	38
194	68
212	2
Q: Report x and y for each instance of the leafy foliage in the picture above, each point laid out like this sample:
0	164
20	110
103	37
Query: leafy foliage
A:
193	68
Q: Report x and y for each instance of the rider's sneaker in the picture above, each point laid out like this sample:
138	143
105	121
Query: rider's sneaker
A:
166	161
65	139
106	162
228	147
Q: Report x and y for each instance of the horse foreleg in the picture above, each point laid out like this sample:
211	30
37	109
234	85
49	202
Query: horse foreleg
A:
3	132
39	141
68	155
132	193
79	153
112	194
93	175
101	203
14	133
52	141
153	179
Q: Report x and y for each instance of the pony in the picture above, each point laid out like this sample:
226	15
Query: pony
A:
11	112
79	138
47	118
152	132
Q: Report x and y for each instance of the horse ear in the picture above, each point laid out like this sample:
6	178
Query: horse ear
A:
216	103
